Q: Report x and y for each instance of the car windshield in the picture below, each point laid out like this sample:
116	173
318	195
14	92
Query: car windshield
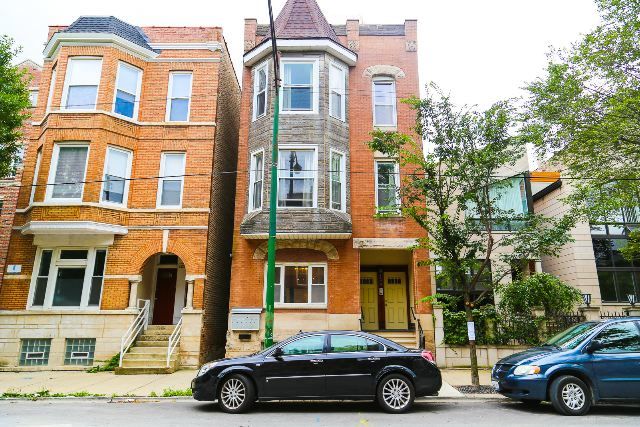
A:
572	337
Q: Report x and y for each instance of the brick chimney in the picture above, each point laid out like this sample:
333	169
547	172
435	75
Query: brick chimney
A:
353	34
411	34
250	29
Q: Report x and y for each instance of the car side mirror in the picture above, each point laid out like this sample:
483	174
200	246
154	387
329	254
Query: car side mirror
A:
277	353
594	346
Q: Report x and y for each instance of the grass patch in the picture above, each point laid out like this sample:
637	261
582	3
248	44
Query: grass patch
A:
169	392
110	365
42	394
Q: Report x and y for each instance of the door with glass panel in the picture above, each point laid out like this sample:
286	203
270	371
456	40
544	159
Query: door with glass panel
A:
395	300
369	300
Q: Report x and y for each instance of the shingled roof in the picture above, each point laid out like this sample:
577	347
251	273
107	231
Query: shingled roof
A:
303	19
110	25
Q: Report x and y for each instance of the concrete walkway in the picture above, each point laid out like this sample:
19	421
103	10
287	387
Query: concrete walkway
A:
108	384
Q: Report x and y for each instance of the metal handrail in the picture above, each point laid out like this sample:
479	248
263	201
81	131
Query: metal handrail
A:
421	342
137	326
174	340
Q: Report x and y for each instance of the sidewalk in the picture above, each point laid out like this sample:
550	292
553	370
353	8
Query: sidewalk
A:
108	384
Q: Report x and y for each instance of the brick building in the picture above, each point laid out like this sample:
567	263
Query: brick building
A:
340	265
10	185
118	194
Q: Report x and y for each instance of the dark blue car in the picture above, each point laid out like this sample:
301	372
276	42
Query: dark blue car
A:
588	363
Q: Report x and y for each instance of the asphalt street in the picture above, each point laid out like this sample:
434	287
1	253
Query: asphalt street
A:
452	412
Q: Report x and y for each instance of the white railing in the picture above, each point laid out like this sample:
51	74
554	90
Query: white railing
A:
174	340
137	327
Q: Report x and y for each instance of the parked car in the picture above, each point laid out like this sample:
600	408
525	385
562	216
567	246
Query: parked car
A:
330	365
588	363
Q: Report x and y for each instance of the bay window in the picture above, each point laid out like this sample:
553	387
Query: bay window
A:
260	84
67	172
52	86
68	278
387	179
127	96
255	180
171	182
300	283
300	86
36	171
297	178
384	102
337	178
81	83
117	170
337	89
179	99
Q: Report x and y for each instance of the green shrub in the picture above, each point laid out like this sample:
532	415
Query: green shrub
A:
110	365
538	290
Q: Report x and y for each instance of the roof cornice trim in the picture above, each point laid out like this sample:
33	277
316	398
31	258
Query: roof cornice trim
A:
212	46
296	45
93	39
72	227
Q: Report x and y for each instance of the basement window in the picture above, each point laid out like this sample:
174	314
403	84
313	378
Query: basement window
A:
79	351
35	351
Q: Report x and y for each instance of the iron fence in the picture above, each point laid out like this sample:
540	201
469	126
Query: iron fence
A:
558	322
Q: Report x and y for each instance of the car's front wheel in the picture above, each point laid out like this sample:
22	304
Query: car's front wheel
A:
570	395
396	393
236	395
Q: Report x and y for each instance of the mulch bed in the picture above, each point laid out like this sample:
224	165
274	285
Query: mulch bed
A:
469	389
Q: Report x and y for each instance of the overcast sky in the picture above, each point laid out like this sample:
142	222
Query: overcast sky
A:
479	50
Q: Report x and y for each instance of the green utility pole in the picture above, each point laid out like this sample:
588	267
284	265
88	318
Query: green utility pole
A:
273	197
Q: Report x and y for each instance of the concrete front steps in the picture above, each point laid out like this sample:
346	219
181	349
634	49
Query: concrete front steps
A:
148	355
404	338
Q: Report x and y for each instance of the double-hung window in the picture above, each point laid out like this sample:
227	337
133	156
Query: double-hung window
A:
337	95
387	178
384	102
33	97
300	86
179	99
300	283
297	178
67	172
52	86
36	171
260	83
127	96
68	277
338	178
170	185
81	83
117	170
256	177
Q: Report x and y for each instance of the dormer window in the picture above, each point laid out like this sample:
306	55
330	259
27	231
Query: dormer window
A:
300	86
81	83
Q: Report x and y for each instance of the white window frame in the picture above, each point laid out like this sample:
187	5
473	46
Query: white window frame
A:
162	178
56	264
308	305
395	102
252	178
52	87
397	174
301	147
342	91
170	97
264	66
125	196
136	100
343	181
37	93
315	86
53	168
65	90
36	172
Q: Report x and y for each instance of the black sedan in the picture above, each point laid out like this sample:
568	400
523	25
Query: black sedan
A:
330	365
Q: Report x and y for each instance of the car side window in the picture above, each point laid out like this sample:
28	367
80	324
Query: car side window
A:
620	338
307	345
353	343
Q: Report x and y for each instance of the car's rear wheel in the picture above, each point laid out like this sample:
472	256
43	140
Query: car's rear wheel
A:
395	393
570	395
236	395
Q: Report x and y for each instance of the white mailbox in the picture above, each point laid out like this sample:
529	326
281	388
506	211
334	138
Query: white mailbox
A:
245	319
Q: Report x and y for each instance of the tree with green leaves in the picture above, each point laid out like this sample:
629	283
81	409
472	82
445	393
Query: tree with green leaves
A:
14	102
459	193
585	112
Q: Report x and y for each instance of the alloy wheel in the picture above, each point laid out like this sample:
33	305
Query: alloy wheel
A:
396	393
573	396
233	393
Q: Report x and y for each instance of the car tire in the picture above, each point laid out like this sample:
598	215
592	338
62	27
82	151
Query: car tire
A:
395	394
570	395
236	394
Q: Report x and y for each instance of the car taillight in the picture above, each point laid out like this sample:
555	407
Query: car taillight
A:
428	356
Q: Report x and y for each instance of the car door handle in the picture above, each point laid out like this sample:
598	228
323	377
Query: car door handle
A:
373	359
316	361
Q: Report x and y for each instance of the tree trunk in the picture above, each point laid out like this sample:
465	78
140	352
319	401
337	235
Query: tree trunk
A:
475	379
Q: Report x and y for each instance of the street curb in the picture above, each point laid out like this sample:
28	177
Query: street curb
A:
148	399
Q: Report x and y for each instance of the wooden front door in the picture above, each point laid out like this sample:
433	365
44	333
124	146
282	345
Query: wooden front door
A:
369	300
165	296
395	300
